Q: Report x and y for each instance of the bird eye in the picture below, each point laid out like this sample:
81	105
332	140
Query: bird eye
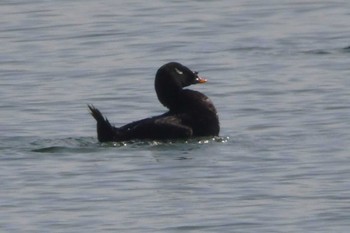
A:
178	71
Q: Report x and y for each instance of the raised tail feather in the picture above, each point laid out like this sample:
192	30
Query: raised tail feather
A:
105	131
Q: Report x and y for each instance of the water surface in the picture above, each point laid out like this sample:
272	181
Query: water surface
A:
278	74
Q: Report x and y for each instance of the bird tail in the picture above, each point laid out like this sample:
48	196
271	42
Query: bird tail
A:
105	131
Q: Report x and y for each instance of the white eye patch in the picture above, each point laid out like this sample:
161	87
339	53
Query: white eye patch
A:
178	71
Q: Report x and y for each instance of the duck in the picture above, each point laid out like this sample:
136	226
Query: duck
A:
190	113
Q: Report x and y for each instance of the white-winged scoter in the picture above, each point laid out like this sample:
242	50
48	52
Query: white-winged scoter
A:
191	113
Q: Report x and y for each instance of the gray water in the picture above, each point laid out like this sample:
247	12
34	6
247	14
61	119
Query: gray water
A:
279	75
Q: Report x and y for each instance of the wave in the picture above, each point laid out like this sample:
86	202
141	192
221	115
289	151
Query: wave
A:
88	144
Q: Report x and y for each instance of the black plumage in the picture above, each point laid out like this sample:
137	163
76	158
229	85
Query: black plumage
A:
191	113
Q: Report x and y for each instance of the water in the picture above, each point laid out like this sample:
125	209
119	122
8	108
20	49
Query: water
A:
278	74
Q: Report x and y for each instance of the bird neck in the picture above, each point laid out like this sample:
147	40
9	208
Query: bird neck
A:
169	97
